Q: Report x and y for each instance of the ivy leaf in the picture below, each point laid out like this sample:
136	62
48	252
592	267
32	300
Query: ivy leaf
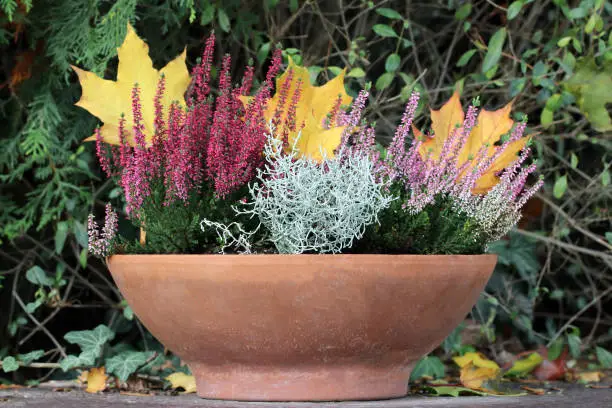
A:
604	357
125	364
590	85
392	63
384	30
70	362
10	364
90	342
30	357
428	366
494	50
38	276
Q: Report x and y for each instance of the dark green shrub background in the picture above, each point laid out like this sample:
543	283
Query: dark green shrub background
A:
553	57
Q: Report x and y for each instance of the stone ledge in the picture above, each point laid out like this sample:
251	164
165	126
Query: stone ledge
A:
571	396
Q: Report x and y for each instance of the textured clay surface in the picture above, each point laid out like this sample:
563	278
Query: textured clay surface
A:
301	327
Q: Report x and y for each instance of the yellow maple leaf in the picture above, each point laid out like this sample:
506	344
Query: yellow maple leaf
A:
95	378
108	100
314	105
490	126
182	380
476	369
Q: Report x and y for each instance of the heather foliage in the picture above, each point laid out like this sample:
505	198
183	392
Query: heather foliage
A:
315	207
200	160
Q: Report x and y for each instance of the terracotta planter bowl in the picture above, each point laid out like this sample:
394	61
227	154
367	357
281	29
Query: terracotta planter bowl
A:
301	327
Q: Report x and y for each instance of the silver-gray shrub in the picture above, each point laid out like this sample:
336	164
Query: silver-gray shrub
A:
311	206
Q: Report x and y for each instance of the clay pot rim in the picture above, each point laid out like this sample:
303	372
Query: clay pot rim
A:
318	256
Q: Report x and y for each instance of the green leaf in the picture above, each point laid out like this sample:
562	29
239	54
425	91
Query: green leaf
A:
384	81
384	30
560	186
392	63
525	365
494	50
514	9
464	11
224	21
9	364
263	52
577	13
83	258
428	366
554	351
573	160
125	364
128	313
590	25
605	178
574	343
60	236
564	41
208	14
609	236
454	391
466	57
604	357
546	117
334	70
356	73
38	277
518	252
590	85
70	362
91	342
30	357
389	13
80	233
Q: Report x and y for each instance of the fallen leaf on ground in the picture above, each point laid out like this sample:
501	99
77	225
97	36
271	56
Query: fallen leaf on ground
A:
589	376
476	369
551	370
474	377
536	391
525	365
9	386
135	394
182	380
456	391
96	379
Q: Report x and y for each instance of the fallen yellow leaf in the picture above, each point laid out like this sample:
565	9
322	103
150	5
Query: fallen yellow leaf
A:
490	126
474	377
476	359
96	379
182	380
107	99
589	376
315	103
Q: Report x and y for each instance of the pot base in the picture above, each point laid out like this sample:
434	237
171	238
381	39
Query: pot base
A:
312	383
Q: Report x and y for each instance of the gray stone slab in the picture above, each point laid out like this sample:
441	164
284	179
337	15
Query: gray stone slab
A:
571	396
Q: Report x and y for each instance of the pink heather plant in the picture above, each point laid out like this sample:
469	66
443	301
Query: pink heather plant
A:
213	139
